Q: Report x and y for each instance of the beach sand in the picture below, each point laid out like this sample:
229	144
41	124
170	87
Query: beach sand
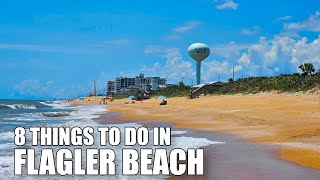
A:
234	160
290	122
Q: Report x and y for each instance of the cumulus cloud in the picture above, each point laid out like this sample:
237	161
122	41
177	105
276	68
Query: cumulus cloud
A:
244	59
226	4
229	50
280	54
173	68
268	57
214	69
310	24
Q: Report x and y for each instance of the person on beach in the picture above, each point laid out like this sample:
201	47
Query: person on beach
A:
164	102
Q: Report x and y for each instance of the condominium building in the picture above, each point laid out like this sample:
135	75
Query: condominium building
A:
125	85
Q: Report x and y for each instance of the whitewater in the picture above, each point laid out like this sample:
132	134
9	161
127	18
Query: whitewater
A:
15	113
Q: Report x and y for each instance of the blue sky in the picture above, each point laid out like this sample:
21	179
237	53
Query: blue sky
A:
55	49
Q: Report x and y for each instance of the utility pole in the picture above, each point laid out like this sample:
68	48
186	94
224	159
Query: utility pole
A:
94	88
233	73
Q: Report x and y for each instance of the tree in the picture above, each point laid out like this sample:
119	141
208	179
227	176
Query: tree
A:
307	68
230	80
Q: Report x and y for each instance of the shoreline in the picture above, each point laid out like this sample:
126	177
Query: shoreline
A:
232	160
288	121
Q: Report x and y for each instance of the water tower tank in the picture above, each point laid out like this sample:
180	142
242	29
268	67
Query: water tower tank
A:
199	52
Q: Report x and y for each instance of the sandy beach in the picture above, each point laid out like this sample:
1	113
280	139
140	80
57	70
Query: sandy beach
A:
236	159
291	122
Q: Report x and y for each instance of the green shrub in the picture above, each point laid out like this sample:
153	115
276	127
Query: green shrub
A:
284	82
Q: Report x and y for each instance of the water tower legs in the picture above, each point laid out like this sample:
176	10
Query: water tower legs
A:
198	72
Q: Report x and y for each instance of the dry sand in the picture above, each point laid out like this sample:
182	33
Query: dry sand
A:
291	121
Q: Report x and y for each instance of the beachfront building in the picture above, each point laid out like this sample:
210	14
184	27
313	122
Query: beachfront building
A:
127	85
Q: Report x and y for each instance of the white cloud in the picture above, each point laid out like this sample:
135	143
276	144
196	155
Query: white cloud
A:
310	24
280	55
229	50
212	70
226	4
186	27
284	18
173	68
178	31
244	59
268	57
290	34
251	31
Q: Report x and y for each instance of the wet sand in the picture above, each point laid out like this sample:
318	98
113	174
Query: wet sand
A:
237	159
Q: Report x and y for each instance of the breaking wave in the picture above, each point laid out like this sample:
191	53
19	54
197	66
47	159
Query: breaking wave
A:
55	104
18	106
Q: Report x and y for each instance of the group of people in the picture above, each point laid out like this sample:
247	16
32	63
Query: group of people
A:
103	101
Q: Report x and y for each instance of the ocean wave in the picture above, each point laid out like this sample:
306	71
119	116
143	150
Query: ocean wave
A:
7	135
69	113
7	166
7	146
55	104
191	142
55	114
18	106
39	116
178	132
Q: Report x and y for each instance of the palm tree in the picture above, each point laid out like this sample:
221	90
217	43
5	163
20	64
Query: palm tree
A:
307	68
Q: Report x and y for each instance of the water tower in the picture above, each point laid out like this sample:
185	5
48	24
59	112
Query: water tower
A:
199	52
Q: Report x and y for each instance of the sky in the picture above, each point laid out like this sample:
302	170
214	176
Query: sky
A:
55	49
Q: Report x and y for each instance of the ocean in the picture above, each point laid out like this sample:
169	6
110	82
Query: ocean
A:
25	113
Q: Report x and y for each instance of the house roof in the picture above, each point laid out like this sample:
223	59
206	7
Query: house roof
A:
199	85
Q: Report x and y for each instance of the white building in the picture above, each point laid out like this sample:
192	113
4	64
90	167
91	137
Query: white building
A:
125	85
